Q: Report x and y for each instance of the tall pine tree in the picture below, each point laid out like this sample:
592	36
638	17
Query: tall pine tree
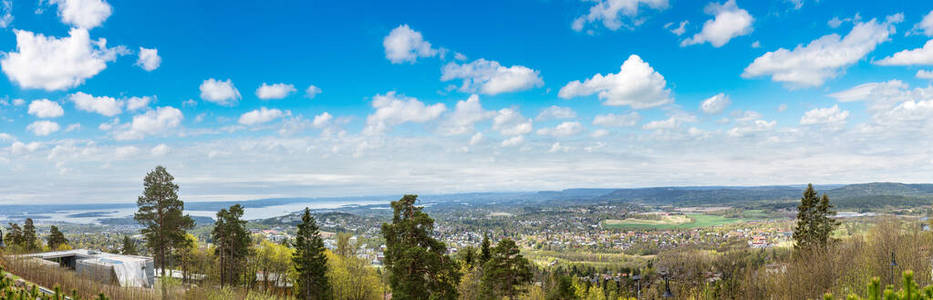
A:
233	241
417	262
160	214
815	221
507	271
129	246
28	239
56	238
310	261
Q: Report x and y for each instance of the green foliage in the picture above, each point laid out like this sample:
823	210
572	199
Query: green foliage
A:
28	239
233	241
908	291
507	271
418	265
310	261
160	213
56	238
129	246
814	221
485	252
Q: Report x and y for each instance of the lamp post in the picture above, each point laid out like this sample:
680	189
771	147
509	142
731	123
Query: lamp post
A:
637	279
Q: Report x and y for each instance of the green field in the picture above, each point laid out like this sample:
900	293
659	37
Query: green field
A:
695	220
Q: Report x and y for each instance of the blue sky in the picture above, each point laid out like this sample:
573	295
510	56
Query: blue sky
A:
438	97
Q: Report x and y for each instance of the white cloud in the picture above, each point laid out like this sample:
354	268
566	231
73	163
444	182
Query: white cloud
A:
107	126
823	58
752	127
43	108
312	91
466	113
669	123
756	44
274	91
137	103
636	85
19	102
715	104
406	45
476	138
107	106
924	74
322	120
835	22
6	13
259	116
555	112
160	150
85	14
679	30
513	141
73	127
125	152
562	129
149	59
614	120
43	128
509	121
153	122
491	78
828	116
393	109
879	95
50	63
599	133
925	26
730	21
219	92
609	12
919	56
19	148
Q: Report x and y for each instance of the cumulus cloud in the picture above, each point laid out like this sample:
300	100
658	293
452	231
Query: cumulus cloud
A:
729	21
490	78
679	30
137	103
153	122
85	14
620	120
751	128
259	116
73	127
394	109
274	91
50	63
312	91
43	128
715	104
919	56
925	26
219	92
562	129
509	121
160	150
466	113
513	141
924	74
107	106
610	13
125	152
20	148
149	59
406	45
823	58
44	108
637	85
322	120
476	138
879	95
825	116
555	112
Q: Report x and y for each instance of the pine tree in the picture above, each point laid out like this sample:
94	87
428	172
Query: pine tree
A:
310	261
28	239
129	246
507	271
814	221
160	213
15	236
485	252
417	263
56	238
233	241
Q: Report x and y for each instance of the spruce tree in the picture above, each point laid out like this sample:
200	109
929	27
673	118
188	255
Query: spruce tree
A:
507	271
310	261
160	213
129	246
56	238
233	241
15	236
28	239
485	252
417	262
814	221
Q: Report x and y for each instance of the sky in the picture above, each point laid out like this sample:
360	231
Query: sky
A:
257	99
